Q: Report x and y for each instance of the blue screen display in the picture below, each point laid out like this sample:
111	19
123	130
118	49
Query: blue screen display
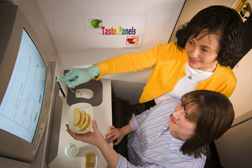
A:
21	106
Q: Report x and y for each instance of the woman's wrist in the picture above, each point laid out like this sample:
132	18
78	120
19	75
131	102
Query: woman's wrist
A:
126	129
111	156
100	143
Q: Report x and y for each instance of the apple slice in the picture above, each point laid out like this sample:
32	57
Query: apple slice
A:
86	123
77	116
83	118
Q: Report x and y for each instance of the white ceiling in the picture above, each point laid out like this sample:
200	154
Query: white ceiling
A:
65	17
65	23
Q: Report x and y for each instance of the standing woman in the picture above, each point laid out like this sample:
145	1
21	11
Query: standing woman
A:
200	59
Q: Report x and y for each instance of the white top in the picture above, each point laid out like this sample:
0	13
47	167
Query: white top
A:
186	84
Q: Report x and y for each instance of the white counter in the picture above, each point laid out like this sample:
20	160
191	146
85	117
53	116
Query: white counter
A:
103	116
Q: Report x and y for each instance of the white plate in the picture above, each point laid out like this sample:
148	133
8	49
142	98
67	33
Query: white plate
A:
71	116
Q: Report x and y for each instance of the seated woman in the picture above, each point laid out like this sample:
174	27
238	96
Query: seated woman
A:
174	133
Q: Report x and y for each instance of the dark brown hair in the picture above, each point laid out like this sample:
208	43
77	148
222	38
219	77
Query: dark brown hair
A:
213	114
220	20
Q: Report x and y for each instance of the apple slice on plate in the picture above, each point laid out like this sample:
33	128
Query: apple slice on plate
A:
80	117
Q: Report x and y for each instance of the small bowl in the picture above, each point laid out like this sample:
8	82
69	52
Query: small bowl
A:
71	150
71	117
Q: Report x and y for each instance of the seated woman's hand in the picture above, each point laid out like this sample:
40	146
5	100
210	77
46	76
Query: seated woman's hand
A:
94	138
114	134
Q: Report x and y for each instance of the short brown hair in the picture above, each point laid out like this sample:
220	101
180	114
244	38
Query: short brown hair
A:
215	115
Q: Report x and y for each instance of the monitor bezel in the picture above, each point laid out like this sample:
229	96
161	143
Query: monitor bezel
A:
10	33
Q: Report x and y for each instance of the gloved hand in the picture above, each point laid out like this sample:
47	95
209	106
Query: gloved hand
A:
78	76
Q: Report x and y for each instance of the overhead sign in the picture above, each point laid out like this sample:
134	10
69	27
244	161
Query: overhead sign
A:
115	31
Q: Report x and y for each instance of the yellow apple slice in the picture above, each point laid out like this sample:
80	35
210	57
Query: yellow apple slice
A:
86	123
77	116
83	118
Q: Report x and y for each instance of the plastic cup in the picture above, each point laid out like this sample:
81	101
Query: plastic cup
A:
71	150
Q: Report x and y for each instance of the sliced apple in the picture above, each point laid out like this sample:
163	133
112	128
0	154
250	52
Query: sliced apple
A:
86	123
77	116
83	118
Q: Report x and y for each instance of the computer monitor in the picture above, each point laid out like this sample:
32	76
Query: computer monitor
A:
25	86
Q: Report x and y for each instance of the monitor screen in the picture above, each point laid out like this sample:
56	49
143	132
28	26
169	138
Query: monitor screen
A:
21	105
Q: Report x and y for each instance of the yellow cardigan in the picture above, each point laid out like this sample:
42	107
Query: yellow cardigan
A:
169	67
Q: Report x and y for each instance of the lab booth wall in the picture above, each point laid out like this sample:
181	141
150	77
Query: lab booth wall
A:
130	89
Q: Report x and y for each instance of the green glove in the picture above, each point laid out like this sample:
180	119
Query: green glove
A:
78	76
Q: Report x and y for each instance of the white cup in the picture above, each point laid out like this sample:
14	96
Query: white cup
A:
71	150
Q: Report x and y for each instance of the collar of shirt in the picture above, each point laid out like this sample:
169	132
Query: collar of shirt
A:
175	143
